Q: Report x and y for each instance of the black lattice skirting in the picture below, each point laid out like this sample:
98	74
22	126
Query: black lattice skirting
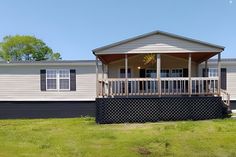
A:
120	110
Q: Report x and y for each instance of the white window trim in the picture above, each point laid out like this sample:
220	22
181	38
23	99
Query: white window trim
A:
57	80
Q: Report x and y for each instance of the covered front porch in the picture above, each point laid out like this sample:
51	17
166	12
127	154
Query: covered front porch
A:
156	76
163	75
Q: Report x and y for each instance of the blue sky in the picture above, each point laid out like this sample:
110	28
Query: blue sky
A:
75	27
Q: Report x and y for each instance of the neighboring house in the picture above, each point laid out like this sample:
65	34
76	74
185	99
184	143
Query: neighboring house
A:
121	87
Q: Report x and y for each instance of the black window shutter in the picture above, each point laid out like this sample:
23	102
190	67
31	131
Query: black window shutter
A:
203	72
43	79
223	78
72	80
185	72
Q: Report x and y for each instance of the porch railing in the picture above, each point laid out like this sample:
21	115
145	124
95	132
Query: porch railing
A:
225	97
150	86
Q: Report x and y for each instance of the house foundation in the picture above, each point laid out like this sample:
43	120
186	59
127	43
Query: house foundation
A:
130	110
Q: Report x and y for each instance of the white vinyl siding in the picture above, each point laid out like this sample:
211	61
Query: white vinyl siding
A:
231	81
22	82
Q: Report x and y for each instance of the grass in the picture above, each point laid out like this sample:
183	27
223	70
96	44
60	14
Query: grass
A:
82	137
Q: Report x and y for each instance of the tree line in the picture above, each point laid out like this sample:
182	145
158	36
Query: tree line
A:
26	48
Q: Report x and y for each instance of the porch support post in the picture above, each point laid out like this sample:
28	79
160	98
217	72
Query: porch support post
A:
206	75
126	75
219	73
103	87
97	83
158	72
189	74
206	67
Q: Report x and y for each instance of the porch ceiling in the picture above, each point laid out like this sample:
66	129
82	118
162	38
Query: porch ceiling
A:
196	57
114	57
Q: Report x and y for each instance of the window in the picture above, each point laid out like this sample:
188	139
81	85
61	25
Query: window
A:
51	79
64	79
165	73
151	73
177	73
122	73
213	72
58	79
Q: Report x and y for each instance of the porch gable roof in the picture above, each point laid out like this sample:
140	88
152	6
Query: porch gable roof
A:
158	42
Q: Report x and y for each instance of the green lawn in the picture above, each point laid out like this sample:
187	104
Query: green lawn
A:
78	137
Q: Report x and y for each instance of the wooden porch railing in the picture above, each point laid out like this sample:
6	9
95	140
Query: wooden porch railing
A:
149	86
225	97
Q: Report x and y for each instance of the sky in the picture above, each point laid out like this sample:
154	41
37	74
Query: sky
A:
76	27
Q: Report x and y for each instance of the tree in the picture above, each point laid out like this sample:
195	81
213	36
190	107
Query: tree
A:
26	48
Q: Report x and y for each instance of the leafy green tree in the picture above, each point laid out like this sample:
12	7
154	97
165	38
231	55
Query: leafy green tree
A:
26	48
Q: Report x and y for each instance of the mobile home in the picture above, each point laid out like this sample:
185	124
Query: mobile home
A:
152	77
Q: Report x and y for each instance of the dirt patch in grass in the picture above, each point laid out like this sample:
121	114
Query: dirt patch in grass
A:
143	151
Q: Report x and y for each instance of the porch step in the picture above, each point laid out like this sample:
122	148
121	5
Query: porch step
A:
226	110
233	111
234	117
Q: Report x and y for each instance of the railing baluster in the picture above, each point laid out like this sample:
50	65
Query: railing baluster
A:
138	87
199	88
181	87
120	87
114	88
110	88
146	89
169	87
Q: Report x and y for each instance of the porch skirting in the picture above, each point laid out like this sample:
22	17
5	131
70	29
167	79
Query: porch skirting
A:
122	110
46	109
